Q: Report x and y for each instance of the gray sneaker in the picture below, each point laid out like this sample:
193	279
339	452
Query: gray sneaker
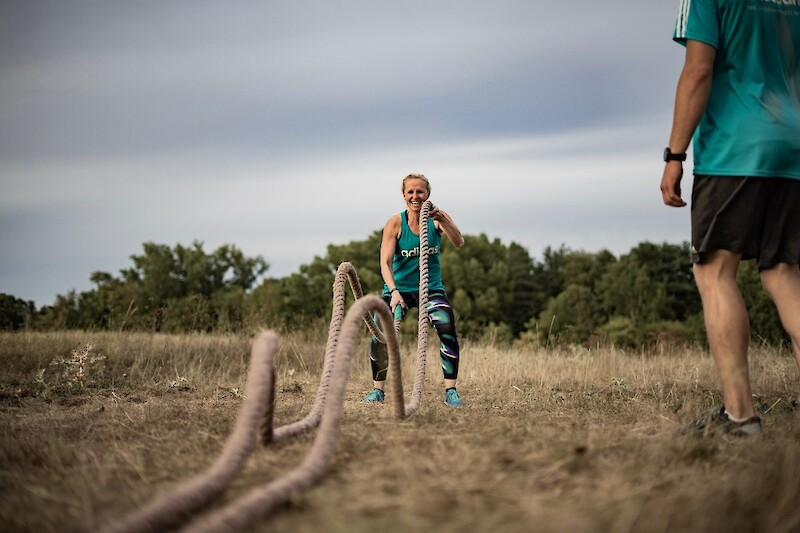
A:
716	421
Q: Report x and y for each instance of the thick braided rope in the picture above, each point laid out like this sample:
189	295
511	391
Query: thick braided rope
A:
258	410
345	272
260	502
171	509
422	322
256	415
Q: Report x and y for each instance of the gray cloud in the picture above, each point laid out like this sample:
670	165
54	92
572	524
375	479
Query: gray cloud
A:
173	121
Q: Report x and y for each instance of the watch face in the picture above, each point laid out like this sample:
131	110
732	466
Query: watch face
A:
666	154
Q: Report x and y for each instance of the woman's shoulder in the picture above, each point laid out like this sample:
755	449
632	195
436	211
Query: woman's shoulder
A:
394	223
395	219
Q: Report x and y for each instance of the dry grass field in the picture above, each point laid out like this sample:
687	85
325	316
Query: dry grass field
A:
96	424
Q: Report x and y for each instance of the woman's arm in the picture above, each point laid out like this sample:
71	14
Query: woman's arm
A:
388	245
446	224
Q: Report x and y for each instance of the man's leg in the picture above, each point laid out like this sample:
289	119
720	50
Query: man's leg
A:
782	283
727	327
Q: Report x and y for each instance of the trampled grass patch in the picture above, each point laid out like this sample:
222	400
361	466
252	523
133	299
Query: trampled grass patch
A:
578	440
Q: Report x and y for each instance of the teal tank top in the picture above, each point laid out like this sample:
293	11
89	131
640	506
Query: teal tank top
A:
405	264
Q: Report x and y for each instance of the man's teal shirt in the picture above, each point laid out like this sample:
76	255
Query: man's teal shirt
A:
751	125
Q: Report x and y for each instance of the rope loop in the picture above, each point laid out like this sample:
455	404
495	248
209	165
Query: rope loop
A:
255	420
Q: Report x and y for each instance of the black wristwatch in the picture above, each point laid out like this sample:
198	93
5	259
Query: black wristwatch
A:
669	156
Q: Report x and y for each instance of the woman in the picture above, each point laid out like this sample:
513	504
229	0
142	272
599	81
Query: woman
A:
400	271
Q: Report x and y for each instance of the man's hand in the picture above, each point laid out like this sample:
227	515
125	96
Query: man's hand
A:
671	184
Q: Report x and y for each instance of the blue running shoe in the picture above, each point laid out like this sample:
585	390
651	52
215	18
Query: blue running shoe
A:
452	398
374	396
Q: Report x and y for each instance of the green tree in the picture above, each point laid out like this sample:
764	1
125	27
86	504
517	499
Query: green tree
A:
478	274
647	295
166	289
63	314
548	278
521	288
306	296
651	283
15	313
575	312
569	317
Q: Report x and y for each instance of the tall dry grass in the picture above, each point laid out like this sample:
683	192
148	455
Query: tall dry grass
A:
574	440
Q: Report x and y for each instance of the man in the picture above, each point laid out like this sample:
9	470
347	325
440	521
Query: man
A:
738	96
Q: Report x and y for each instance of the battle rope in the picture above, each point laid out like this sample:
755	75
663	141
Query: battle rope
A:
256	415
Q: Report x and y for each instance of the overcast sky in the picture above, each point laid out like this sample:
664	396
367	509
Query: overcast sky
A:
282	127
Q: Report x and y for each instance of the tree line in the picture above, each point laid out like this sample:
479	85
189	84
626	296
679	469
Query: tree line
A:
640	298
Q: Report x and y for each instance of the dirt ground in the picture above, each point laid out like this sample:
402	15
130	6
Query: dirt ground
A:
568	441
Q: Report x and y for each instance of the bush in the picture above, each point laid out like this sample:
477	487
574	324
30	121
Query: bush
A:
620	332
671	333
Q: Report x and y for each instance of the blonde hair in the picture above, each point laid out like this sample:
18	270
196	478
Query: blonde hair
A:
416	177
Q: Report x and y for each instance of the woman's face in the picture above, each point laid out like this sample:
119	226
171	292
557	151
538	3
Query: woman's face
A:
415	193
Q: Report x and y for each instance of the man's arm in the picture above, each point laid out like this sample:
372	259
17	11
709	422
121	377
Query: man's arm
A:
691	98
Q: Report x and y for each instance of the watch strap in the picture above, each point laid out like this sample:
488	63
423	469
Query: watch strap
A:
670	156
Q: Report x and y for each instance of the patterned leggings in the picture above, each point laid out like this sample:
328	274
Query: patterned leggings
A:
440	314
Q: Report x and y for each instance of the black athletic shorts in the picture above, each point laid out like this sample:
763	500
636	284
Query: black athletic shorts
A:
756	217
